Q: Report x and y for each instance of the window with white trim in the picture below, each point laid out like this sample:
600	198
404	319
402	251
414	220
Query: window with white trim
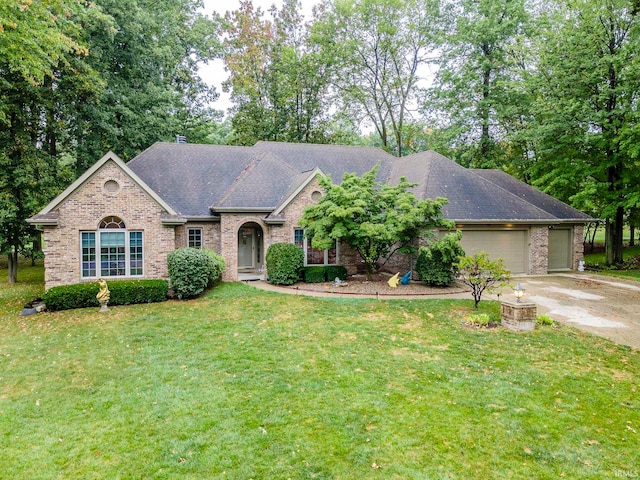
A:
313	256
194	237
111	251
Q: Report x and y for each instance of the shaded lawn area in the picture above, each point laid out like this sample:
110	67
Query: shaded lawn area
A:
248	384
599	259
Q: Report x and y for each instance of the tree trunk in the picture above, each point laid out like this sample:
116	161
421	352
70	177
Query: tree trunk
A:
13	266
614	237
632	234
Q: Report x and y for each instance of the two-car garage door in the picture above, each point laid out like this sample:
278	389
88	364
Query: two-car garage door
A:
510	245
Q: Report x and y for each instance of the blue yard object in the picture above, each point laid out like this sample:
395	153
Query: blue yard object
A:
406	278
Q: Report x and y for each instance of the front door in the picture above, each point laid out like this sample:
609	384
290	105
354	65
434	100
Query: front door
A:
246	248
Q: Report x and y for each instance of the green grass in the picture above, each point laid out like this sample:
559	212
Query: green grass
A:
247	384
599	260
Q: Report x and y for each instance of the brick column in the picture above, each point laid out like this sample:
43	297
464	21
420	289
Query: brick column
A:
538	250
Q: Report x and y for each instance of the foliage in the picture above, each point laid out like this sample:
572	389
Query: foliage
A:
375	219
545	320
335	271
327	273
435	264
586	110
314	274
284	263
217	265
147	55
278	79
379	48
137	391
478	320
472	99
122	292
78	78
190	271
480	273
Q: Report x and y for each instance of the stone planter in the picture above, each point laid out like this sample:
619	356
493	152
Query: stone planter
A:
519	317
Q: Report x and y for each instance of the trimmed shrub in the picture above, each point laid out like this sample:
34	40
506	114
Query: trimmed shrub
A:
189	271
333	271
436	263
122	292
284	263
314	274
217	265
131	292
327	273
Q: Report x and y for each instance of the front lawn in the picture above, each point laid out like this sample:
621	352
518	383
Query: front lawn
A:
247	384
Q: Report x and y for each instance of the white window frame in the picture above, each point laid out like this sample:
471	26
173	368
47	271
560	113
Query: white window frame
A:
97	255
306	243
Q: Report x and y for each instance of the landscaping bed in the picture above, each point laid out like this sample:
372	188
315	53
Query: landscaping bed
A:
378	286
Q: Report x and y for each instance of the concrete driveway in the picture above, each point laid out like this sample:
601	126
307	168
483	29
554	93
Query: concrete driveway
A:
601	305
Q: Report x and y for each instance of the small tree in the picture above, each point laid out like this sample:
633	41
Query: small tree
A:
480	273
436	263
375	219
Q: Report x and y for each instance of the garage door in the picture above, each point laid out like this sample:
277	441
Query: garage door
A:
559	249
509	245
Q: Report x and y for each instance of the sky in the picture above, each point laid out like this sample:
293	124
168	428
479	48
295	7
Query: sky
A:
213	73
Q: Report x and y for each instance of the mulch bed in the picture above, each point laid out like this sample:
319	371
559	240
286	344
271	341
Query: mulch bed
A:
378	286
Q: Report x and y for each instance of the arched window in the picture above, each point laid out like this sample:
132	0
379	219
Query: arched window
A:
111	222
112	250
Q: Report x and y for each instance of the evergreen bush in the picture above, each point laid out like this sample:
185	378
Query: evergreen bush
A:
190	271
122	292
314	274
284	263
436	263
217	265
333	271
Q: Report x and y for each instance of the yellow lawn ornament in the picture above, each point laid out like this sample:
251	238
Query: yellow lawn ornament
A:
393	281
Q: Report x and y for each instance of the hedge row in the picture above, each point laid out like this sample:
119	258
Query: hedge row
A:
318	274
122	292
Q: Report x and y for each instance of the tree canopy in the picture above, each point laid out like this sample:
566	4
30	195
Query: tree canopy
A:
373	218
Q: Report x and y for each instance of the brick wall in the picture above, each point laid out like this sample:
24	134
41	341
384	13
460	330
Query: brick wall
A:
578	245
210	235
86	207
538	249
230	224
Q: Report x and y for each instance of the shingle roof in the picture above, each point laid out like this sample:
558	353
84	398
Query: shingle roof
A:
262	184
196	179
333	160
532	195
191	177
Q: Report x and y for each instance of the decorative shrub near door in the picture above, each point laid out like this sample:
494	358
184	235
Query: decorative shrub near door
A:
284	263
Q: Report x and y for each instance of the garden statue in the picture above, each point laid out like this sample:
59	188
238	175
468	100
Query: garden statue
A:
406	278
103	295
393	281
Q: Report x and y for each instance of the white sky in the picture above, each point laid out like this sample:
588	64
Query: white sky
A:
214	73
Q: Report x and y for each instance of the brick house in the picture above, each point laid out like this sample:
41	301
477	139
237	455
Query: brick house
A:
121	220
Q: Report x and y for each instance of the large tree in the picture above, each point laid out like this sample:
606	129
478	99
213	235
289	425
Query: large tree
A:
38	41
148	58
277	77
586	112
381	50
471	100
374	219
78	78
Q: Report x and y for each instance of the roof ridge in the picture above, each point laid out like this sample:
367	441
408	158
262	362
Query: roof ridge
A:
245	171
